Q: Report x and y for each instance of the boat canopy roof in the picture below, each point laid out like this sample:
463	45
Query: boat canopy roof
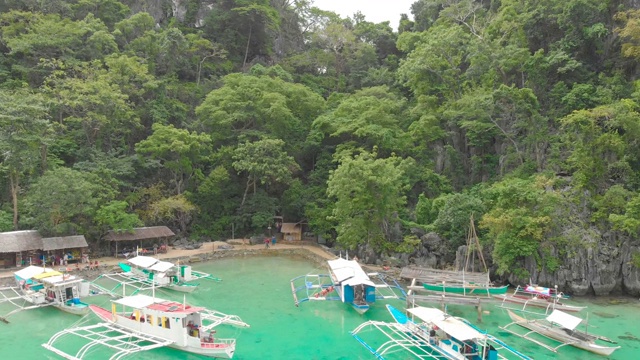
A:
563	319
349	272
143	301
61	279
161	266
143	261
449	324
35	272
138	301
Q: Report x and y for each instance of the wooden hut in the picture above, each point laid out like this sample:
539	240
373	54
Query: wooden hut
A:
73	245
18	245
291	231
136	236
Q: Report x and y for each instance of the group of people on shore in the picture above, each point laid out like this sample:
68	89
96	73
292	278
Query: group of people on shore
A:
268	241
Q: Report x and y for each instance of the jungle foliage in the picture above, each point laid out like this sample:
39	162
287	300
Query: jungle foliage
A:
521	113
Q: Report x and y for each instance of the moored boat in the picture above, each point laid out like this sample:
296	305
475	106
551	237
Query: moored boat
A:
149	322
44	287
538	297
163	274
350	282
453	337
561	327
467	289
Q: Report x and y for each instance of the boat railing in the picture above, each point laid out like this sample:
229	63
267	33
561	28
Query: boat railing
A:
218	343
400	337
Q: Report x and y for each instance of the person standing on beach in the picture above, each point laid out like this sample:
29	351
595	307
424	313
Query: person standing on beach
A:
273	240
266	243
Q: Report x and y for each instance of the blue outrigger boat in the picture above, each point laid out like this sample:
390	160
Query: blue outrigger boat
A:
347	282
437	336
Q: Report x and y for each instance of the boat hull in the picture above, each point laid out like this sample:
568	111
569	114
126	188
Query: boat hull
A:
218	351
185	288
213	350
361	309
76	309
467	290
560	335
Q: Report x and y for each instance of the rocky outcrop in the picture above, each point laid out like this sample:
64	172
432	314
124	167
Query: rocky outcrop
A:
599	263
163	10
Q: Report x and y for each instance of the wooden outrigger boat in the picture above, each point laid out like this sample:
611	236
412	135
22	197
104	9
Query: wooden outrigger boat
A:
560	327
469	289
539	297
145	272
139	323
350	283
39	287
466	282
437	336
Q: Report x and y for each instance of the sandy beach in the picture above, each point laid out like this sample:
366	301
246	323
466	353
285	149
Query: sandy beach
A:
208	247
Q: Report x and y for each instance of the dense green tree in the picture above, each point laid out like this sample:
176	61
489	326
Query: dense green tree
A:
114	216
368	193
65	201
179	151
265	163
25	133
519	220
252	106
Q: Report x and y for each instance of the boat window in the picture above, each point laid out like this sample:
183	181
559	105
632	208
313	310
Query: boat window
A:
150	319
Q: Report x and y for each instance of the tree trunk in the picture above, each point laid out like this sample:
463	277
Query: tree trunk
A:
246	51
246	190
15	187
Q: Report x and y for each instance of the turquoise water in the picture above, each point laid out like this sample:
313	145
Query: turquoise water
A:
258	290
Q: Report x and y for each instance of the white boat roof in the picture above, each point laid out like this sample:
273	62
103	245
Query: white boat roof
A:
138	301
31	271
161	266
349	272
563	319
53	280
143	261
449	324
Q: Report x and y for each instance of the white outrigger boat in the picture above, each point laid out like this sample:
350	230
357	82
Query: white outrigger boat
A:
437	336
537	296
39	287
145	272
560	327
351	284
140	322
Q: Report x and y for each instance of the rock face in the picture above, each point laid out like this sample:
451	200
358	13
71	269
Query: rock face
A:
601	264
163	10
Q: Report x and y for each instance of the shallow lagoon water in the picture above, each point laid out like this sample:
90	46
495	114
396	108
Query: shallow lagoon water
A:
258	290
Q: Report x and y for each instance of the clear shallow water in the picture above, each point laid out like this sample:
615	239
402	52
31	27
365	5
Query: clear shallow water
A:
258	290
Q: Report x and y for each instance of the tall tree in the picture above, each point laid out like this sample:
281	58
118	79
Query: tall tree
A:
179	151
25	133
368	193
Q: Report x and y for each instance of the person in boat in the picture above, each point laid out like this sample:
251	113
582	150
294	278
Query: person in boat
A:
433	338
440	334
209	339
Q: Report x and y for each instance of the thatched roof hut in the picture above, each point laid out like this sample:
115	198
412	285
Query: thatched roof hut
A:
152	232
17	241
292	231
64	242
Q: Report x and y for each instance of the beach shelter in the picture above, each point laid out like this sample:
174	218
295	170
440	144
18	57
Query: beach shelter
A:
137	235
291	231
75	245
16	245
